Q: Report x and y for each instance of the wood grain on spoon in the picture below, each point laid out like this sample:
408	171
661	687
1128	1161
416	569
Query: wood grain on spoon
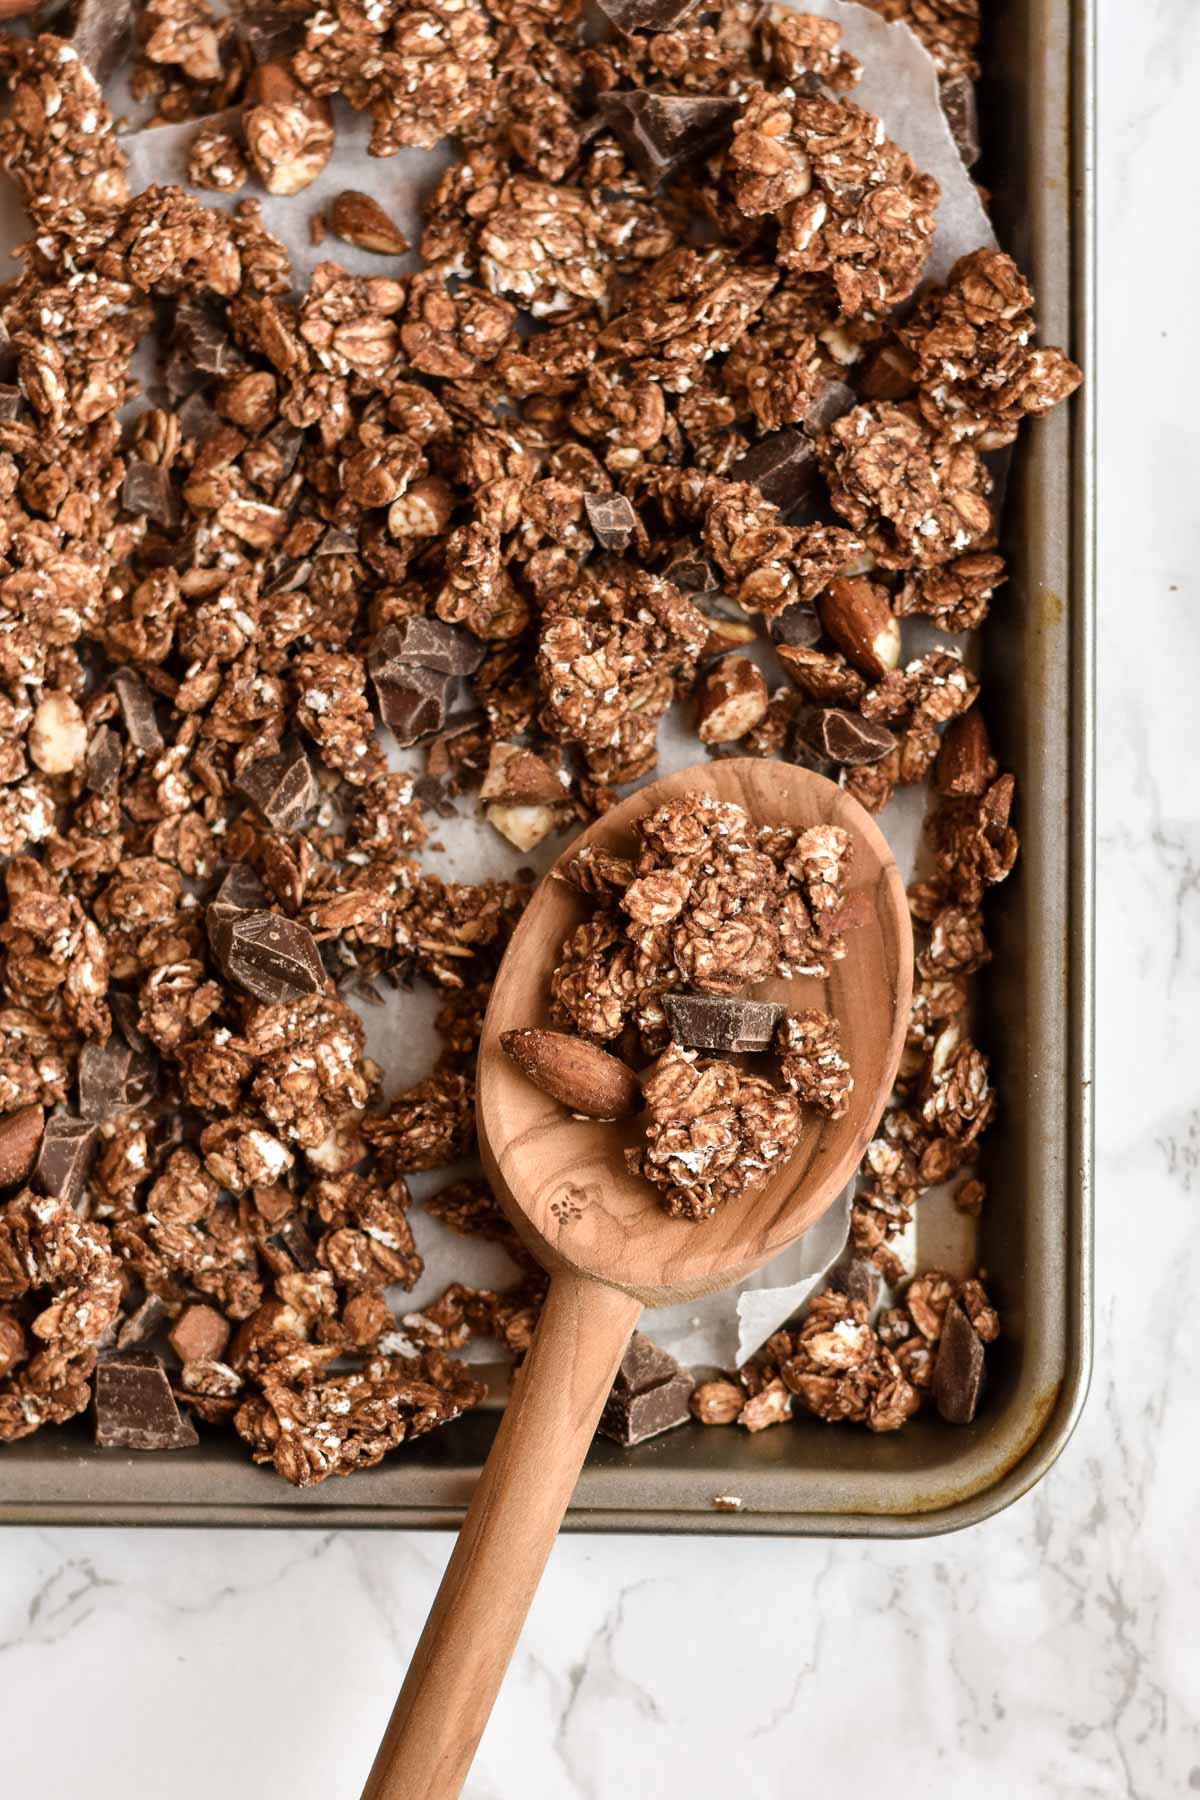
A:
611	1249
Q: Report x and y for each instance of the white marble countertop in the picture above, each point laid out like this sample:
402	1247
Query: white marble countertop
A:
1051	1651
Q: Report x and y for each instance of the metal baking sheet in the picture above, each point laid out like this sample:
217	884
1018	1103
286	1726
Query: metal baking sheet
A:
1035	1006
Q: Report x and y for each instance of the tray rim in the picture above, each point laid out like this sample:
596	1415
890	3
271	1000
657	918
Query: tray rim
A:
1052	1430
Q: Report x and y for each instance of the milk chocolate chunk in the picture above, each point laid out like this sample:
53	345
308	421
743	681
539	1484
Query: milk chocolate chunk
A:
661	132
958	1371
797	626
20	1136
135	1408
282	788
427	644
102	763
650	1394
273	958
65	1158
959	103
783	467
645	15
199	1334
113	1077
845	737
137	710
147	490
612	519
711	1022
144	1323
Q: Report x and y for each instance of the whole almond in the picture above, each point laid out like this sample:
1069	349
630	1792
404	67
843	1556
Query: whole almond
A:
965	764
732	700
20	1135
579	1075
858	617
359	220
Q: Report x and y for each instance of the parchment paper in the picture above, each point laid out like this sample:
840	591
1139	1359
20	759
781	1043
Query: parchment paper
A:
900	86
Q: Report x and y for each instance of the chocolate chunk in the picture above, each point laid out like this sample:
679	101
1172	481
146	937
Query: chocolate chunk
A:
650	1394
135	1408
10	403
645	15
137	710
102	763
958	1371
661	132
282	788
783	467
113	1077
859	1279
693	574
426	644
147	490
337	542
196	417
412	702
65	1157
844	737
961	107
833	399
98	33
285	440
612	519
273	958
199	1334
294	1242
240	892
144	1324
126	1012
710	1022
797	626
203	341
20	1136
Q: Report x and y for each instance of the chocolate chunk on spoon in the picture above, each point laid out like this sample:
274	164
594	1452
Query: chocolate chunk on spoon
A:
711	1022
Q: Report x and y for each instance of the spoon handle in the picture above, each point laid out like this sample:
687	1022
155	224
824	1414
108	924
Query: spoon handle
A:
515	1512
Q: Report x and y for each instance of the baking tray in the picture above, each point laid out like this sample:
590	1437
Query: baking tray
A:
1036	1021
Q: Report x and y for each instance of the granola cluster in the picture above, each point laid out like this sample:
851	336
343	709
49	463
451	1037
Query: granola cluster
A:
644	399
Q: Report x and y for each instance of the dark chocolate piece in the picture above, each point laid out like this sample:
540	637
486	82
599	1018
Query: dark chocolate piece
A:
240	891
711	1022
412	702
196	417
645	15
20	1136
694	574
65	1158
10	403
285	440
294	1242
783	467
845	737
337	542
282	788
661	132
832	401
203	341
858	1279
273	958
102	763
612	519
961	107
137	710
135	1408
797	626
143	1324
425	644
650	1394
113	1077
147	490
958	1371
126	1012
99	33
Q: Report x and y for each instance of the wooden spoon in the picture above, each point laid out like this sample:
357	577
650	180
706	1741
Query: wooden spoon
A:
611	1250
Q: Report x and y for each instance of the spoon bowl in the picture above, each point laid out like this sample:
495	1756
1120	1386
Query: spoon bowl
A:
610	1247
563	1181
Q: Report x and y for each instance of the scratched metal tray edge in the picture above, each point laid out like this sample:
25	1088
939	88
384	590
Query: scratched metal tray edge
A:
966	1476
